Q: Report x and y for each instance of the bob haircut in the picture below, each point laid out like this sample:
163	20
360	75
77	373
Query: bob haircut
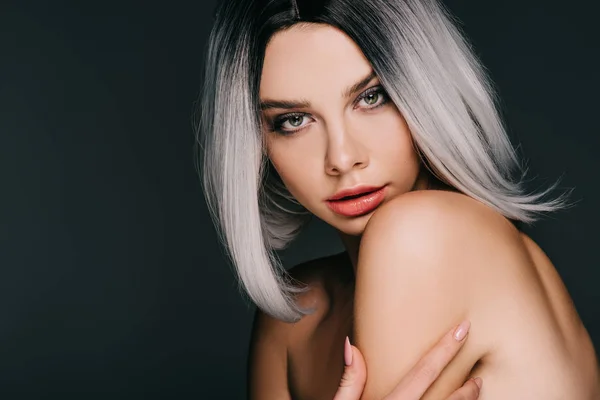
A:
430	73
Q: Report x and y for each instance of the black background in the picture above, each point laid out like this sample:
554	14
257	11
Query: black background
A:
112	282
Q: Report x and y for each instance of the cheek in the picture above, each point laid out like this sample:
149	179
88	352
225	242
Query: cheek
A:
394	142
398	149
295	166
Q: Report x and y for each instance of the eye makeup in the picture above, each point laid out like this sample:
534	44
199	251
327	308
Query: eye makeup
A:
278	123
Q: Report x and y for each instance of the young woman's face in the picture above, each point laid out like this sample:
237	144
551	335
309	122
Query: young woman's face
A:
329	126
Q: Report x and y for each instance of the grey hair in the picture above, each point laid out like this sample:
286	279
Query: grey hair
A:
428	69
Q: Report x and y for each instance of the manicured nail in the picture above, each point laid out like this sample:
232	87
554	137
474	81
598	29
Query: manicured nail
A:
461	331
478	382
347	352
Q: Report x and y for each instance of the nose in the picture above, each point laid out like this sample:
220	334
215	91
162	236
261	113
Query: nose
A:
345	152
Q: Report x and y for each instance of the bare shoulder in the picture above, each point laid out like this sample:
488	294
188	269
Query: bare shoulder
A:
437	222
441	209
435	258
323	278
452	244
277	345
273	341
326	279
322	273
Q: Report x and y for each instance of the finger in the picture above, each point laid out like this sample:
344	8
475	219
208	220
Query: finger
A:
414	384
355	374
469	391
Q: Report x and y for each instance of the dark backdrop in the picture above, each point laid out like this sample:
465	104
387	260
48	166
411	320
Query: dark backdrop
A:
112	283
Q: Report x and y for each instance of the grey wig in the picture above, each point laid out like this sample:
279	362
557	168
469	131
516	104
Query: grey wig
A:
428	70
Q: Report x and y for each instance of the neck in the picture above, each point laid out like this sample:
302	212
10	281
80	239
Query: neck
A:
352	244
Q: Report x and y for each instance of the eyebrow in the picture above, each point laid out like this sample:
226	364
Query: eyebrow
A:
302	103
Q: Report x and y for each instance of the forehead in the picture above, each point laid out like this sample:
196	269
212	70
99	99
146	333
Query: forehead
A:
310	56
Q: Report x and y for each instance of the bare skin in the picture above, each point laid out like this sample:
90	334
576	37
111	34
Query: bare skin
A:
430	256
422	261
308	373
420	377
314	346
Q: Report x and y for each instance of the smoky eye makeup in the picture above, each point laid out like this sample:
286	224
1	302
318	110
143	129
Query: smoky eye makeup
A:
297	119
293	118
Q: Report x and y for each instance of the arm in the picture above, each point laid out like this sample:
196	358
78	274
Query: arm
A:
267	365
423	265
267	377
421	376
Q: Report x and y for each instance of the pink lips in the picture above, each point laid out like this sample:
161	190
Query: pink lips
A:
363	200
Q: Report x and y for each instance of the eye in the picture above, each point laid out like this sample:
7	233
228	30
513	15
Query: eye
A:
289	123
373	97
295	120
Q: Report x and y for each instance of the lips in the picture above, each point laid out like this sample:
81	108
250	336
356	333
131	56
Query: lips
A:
353	192
356	201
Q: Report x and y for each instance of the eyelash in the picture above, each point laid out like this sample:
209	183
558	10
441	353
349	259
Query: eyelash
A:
277	122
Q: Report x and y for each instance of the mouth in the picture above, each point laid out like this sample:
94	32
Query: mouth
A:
356	202
353	193
354	196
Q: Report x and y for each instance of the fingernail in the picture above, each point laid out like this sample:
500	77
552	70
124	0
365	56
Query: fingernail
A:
478	382
347	352
461	330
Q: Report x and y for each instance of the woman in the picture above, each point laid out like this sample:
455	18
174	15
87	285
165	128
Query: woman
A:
376	117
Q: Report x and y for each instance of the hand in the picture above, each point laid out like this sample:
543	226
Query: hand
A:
417	381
